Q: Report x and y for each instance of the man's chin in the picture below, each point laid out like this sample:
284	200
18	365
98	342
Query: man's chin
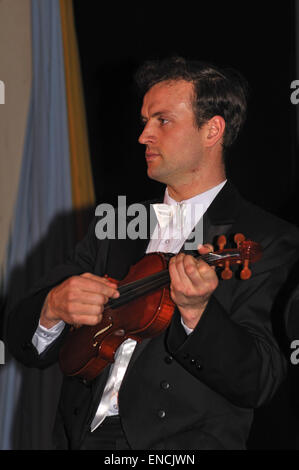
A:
155	175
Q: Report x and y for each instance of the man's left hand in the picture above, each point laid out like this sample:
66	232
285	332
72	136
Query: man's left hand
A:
192	284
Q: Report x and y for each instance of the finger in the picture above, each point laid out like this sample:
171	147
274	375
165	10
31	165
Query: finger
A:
174	277
191	267
79	319
70	313
179	278
206	248
98	285
208	277
103	280
90	299
83	314
198	273
80	308
202	277
188	269
103	289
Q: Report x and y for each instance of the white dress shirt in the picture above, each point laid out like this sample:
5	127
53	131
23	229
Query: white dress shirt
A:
168	237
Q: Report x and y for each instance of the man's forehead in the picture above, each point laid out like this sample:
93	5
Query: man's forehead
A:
167	95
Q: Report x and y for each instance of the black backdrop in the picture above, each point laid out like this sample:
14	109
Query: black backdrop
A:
258	38
255	37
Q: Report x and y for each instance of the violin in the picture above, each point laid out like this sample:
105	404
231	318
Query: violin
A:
144	308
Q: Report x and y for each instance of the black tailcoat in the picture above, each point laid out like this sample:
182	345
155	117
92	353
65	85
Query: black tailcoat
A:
179	391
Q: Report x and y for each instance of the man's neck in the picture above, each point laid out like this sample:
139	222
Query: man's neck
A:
184	192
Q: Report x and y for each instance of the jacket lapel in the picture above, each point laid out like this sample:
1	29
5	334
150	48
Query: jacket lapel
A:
220	216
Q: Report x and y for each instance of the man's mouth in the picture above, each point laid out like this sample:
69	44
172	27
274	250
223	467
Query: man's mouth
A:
151	155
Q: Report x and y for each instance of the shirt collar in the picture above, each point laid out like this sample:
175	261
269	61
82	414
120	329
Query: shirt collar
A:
206	198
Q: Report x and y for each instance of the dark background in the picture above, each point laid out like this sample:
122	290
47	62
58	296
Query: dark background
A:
257	38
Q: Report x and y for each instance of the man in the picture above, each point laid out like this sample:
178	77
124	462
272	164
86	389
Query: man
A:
195	385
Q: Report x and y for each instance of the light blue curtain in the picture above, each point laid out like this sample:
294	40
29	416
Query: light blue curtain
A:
42	228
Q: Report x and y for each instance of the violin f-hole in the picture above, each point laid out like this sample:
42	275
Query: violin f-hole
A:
101	331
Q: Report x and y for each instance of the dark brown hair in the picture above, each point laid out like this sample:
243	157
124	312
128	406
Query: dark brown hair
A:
221	92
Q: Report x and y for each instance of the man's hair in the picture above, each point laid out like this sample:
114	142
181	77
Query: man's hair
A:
221	92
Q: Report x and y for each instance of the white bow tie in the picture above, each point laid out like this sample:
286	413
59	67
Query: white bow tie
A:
167	212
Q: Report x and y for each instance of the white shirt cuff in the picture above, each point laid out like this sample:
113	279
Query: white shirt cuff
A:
43	337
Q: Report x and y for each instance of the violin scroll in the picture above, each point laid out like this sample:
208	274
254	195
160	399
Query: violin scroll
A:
247	251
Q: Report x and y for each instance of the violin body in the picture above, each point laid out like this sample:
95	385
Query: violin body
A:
144	308
89	349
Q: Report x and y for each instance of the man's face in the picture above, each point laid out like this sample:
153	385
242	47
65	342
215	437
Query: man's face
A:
174	150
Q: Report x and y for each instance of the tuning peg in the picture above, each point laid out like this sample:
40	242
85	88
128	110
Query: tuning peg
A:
221	242
227	272
239	238
246	272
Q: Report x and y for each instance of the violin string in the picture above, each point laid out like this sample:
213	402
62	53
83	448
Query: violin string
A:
163	278
131	286
140	282
139	291
134	289
141	286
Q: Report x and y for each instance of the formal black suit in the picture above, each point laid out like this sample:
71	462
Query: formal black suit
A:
179	391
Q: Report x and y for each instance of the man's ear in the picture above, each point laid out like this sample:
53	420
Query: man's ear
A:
215	130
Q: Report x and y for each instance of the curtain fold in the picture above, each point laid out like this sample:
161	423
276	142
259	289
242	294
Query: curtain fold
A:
55	183
82	183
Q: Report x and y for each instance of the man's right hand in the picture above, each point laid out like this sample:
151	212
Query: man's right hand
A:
78	300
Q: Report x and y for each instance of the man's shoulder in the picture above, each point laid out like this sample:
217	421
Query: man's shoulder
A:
268	222
278	238
248	216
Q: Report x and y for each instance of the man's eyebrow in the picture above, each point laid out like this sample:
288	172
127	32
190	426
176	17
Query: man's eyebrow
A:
157	114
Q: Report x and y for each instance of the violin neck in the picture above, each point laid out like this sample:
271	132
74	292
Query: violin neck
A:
154	281
214	258
209	258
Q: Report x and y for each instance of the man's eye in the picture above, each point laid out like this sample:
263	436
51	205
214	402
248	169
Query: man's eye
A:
163	121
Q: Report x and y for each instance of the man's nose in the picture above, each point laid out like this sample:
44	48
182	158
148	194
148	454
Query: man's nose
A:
147	136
